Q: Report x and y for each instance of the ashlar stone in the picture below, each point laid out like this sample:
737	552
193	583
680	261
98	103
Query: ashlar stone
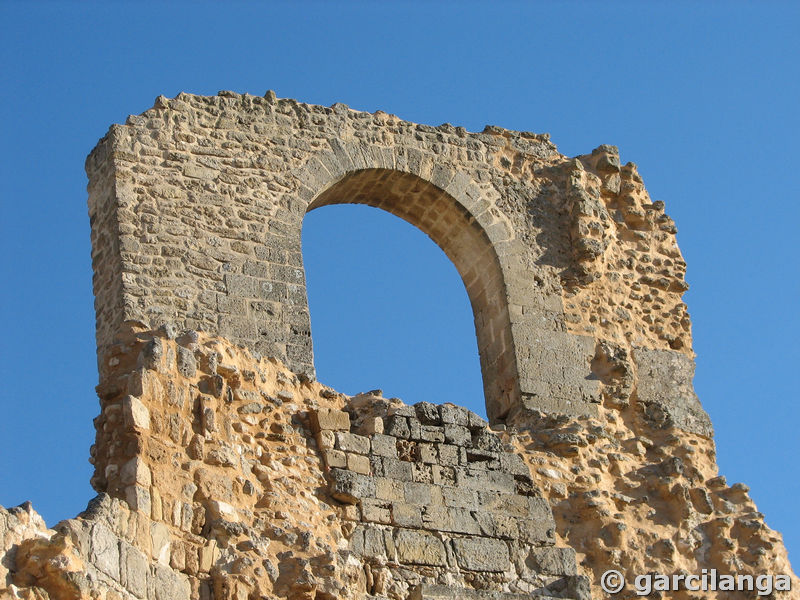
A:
420	548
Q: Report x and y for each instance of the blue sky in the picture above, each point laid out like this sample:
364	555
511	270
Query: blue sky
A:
702	96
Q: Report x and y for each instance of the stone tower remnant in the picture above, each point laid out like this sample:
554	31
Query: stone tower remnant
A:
225	470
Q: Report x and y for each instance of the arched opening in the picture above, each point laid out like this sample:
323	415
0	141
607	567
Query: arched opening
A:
388	309
440	216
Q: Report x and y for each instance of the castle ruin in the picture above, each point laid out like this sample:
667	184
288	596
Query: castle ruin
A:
225	470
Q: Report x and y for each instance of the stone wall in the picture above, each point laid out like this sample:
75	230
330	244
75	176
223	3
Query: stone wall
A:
108	551
197	208
224	449
223	475
226	471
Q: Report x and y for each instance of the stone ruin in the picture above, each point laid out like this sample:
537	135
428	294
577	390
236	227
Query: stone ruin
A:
224	470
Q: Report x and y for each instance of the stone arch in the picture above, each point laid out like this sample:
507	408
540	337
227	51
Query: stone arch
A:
452	219
211	238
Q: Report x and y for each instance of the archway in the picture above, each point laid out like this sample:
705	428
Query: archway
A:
466	243
388	309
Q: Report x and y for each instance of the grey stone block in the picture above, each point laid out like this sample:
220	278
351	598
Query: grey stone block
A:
398	469
166	584
457	435
460	498
414	429
476	421
371	542
417	493
448	454
451	592
514	464
427	413
552	561
134	568
486	440
497	525
406	515
426	453
241	286
402	411
506	504
397	426
187	365
419	548
454	415
349	487
431	433
105	551
666	391
482	554
384	445
477	479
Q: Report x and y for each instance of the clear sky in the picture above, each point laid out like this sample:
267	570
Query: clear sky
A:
703	97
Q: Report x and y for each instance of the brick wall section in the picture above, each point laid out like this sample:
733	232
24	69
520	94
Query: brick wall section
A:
433	486
197	208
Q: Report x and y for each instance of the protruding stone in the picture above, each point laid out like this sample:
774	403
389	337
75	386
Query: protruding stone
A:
329	419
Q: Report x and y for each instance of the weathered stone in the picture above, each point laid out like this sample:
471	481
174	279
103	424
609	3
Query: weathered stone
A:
419	548
187	365
482	554
208	556
665	388
376	511
105	550
169	585
134	569
196	212
552	561
406	515
326	439
349	487
350	442
486	440
137	416
138	499
223	456
336	459
426	453
384	445
397	426
358	464
427	413
454	415
134	472
418	493
448	454
457	435
431	433
398	469
326	418
160	543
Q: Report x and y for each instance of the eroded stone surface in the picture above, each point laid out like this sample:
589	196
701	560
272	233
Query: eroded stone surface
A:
197	208
541	506
224	474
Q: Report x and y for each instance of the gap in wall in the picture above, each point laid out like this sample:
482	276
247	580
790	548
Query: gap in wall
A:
388	309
